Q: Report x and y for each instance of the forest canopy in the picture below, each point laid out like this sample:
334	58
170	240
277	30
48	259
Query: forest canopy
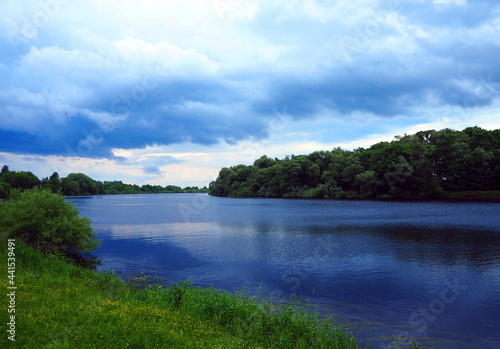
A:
424	165
77	184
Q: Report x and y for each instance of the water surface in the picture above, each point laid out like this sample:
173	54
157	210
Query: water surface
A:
430	270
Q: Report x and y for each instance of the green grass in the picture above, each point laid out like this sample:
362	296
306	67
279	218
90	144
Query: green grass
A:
59	305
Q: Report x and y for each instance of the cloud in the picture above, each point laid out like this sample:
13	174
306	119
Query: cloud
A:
156	103
151	163
98	80
449	13
152	170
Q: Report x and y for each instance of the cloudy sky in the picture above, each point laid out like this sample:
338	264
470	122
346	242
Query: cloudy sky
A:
169	92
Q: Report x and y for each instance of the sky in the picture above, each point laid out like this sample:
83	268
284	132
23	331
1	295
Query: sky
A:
169	92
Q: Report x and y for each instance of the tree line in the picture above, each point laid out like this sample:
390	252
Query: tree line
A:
77	184
425	165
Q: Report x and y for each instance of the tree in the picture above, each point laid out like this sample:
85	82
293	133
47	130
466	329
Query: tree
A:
221	187
366	184
4	190
397	174
21	180
70	188
54	183
5	169
263	162
422	166
80	184
313	175
46	222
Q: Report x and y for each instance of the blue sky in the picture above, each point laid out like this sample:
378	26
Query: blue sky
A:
169	92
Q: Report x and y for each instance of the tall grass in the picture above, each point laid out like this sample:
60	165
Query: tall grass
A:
250	319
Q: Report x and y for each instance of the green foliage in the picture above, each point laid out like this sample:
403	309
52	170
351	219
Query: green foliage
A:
46	222
4	190
5	169
78	184
420	166
118	187
21	180
53	183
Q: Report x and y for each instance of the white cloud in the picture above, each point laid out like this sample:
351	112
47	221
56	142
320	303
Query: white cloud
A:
22	97
170	58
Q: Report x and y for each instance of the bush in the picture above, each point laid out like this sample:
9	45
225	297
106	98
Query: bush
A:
4	190
46	222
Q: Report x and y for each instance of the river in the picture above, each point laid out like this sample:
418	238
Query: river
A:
430	270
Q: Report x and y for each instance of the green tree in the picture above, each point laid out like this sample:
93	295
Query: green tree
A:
5	169
313	172
397	175
221	187
44	221
54	183
70	188
80	184
4	190
264	162
366	184
22	180
422	165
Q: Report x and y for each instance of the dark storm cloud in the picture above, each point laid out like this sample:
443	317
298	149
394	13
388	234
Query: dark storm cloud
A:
196	111
394	85
91	96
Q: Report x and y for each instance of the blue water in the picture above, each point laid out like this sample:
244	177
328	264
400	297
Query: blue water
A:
430	270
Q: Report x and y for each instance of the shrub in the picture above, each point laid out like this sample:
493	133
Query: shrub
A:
4	190
46	222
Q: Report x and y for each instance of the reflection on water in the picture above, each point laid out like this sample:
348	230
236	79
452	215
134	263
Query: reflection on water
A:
431	270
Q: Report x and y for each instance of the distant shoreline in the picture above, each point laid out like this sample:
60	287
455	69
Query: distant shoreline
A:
465	196
174	192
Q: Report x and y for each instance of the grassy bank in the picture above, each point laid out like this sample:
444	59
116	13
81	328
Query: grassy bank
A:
59	305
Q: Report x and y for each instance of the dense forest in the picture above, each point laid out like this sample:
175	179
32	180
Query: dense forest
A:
426	165
76	184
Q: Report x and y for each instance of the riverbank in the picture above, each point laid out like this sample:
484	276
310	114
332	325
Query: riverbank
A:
459	196
472	196
61	305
